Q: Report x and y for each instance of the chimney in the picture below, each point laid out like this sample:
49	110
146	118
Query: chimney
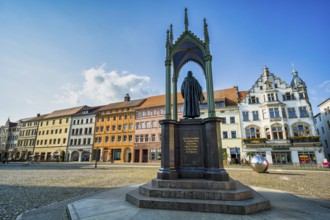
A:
38	115
127	98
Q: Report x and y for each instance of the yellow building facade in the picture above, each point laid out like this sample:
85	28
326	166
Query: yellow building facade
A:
114	131
53	135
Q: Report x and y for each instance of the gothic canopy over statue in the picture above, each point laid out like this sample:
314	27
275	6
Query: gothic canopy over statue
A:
188	47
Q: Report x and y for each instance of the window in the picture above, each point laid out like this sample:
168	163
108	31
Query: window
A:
274	113
288	96
142	125
303	112
112	139
147	124
60	121
292	113
271	97
89	141
106	139
125	138
224	134
113	127
302	95
130	126
119	138
224	120
119	117
64	140
125	127
107	128
136	138
130	137
252	131
154	112
232	120
146	138
245	116
153	137
119	127
255	115
59	141
162	111
160	137
326	143
141	138
233	134
253	100
277	131
114	118
301	129
322	130
153	124
137	126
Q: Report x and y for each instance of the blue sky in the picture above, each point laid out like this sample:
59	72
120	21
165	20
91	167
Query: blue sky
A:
64	53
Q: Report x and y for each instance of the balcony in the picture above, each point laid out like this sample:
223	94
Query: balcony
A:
255	142
306	141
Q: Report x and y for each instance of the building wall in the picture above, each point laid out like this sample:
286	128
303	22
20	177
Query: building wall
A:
114	134
322	121
284	117
27	138
81	138
147	145
52	138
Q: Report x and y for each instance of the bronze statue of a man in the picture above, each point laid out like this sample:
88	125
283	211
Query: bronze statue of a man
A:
192	93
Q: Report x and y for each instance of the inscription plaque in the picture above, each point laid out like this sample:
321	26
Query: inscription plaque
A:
191	144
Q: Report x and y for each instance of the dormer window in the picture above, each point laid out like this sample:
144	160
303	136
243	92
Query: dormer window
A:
253	100
271	97
288	96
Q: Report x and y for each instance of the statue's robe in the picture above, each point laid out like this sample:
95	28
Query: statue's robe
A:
192	93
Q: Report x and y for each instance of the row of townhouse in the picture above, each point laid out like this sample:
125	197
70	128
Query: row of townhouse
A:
273	118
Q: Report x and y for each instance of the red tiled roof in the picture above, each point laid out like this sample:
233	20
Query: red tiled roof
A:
124	104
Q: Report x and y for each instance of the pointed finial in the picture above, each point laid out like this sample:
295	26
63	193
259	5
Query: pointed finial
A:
171	34
206	31
266	72
186	19
167	37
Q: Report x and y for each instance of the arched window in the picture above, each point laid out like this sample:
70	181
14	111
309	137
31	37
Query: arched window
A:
267	132
252	131
277	131
301	129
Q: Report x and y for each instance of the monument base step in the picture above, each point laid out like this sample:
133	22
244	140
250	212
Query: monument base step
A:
240	193
251	205
194	184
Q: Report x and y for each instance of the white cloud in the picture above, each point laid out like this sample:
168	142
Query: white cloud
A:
325	85
103	87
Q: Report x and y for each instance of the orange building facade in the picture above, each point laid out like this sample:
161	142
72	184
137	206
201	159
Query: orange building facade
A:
114	130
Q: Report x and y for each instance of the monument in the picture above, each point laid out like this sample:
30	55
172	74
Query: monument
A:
192	176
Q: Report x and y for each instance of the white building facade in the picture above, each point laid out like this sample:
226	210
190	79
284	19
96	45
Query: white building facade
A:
322	121
81	136
277	121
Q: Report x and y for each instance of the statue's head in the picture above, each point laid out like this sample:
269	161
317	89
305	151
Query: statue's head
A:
189	74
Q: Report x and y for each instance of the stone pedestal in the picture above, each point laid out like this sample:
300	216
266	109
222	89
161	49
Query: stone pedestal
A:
190	149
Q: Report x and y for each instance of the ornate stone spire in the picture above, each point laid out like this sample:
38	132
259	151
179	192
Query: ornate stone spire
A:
171	34
167	37
186	23
206	32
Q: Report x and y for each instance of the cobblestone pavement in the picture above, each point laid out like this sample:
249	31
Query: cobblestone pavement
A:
42	191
